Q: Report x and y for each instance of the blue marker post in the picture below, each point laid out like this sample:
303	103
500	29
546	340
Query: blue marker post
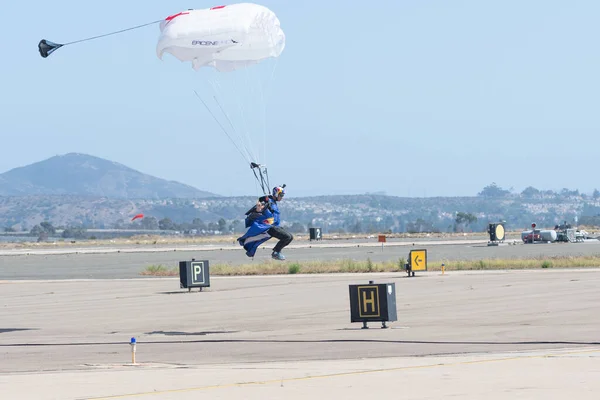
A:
133	343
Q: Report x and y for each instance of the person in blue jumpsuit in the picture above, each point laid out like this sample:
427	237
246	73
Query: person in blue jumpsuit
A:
263	221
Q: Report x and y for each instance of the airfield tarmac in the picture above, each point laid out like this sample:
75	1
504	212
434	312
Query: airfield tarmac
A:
67	321
128	261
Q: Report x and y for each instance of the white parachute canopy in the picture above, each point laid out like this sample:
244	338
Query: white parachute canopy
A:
224	37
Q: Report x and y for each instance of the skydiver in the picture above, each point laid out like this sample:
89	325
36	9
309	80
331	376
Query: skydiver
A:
263	221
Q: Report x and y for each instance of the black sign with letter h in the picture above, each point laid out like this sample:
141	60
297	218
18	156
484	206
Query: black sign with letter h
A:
373	303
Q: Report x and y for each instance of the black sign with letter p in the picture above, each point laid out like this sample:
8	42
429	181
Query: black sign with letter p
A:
194	274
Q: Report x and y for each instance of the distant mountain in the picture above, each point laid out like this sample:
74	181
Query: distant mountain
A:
76	174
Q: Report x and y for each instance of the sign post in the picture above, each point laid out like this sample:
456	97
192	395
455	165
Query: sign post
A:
381	239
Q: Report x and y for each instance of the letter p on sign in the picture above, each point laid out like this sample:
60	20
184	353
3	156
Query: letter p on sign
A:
198	272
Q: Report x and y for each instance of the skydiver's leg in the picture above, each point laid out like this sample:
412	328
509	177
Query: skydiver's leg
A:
283	235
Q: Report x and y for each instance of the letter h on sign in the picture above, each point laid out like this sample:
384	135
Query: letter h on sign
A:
369	301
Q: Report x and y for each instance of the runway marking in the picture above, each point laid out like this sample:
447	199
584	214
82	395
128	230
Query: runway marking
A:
414	367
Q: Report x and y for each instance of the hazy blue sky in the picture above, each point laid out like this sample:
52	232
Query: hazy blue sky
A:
414	98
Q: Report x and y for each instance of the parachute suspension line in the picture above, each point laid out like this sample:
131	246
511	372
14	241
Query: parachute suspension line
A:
272	77
224	130
259	170
264	112
262	176
264	104
47	47
250	92
246	138
114	33
230	122
215	86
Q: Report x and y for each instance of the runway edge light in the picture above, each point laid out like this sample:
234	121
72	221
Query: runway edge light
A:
133	344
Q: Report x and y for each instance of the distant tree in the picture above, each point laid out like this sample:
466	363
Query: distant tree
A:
43	236
222	224
74	232
236	226
420	225
43	228
464	219
198	224
36	230
47	227
9	229
166	224
566	192
150	223
493	190
596	194
530	191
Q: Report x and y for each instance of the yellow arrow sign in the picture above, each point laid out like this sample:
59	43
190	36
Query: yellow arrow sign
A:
418	260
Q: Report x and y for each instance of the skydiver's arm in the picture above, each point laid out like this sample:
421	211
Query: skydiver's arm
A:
254	215
260	206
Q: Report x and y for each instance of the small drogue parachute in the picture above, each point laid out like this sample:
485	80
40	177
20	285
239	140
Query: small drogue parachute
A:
137	217
226	38
47	47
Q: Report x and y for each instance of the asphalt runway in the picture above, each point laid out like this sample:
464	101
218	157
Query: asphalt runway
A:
466	334
126	262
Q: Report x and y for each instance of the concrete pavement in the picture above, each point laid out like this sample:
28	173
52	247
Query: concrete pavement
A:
467	334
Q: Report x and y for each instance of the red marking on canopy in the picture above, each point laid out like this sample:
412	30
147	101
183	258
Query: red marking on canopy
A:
172	17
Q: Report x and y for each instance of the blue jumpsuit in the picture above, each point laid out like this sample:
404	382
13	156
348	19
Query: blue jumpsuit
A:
257	232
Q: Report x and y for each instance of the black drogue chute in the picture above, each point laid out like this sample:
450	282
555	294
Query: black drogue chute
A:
47	47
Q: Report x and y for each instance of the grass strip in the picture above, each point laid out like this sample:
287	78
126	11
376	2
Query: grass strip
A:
357	266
